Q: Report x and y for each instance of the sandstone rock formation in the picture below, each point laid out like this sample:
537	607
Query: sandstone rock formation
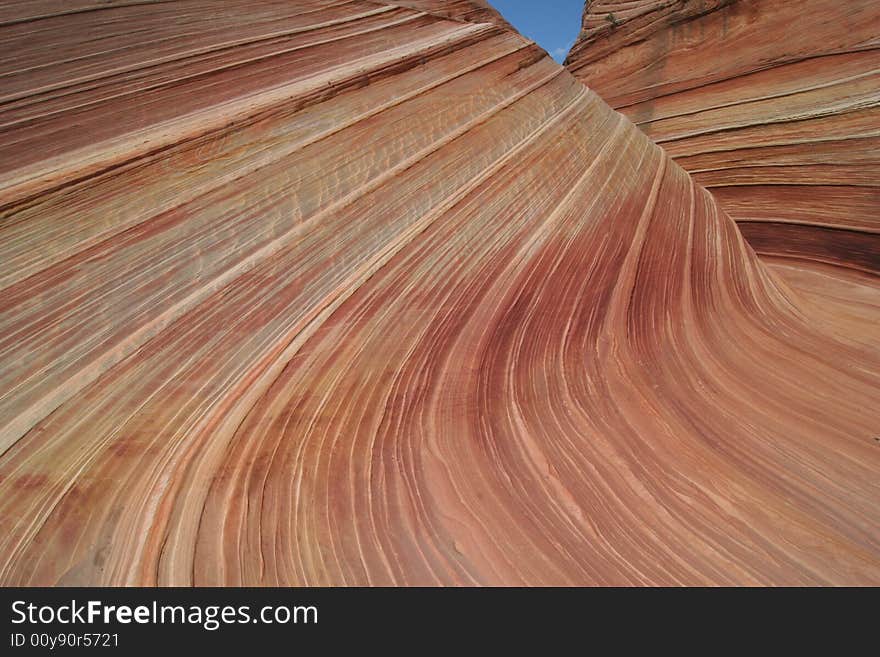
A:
316	292
774	106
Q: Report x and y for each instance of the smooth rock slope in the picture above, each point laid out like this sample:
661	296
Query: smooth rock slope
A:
326	292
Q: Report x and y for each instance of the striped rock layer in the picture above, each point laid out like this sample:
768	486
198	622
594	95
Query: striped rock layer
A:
330	292
773	106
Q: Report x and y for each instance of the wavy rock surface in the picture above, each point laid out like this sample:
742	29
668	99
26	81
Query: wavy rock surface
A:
774	106
325	292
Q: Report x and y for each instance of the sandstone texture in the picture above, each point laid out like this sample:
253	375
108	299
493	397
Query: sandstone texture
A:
322	292
773	106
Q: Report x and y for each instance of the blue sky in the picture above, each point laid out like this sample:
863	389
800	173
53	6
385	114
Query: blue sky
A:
554	24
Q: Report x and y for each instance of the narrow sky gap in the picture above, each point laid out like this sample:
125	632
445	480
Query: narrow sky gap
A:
553	25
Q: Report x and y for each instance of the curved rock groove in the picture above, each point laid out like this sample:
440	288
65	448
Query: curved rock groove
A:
325	292
773	106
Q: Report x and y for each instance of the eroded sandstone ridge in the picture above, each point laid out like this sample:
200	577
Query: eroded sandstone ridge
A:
322	292
774	106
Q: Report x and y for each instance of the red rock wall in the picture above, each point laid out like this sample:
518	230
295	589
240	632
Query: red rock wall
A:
773	106
349	293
